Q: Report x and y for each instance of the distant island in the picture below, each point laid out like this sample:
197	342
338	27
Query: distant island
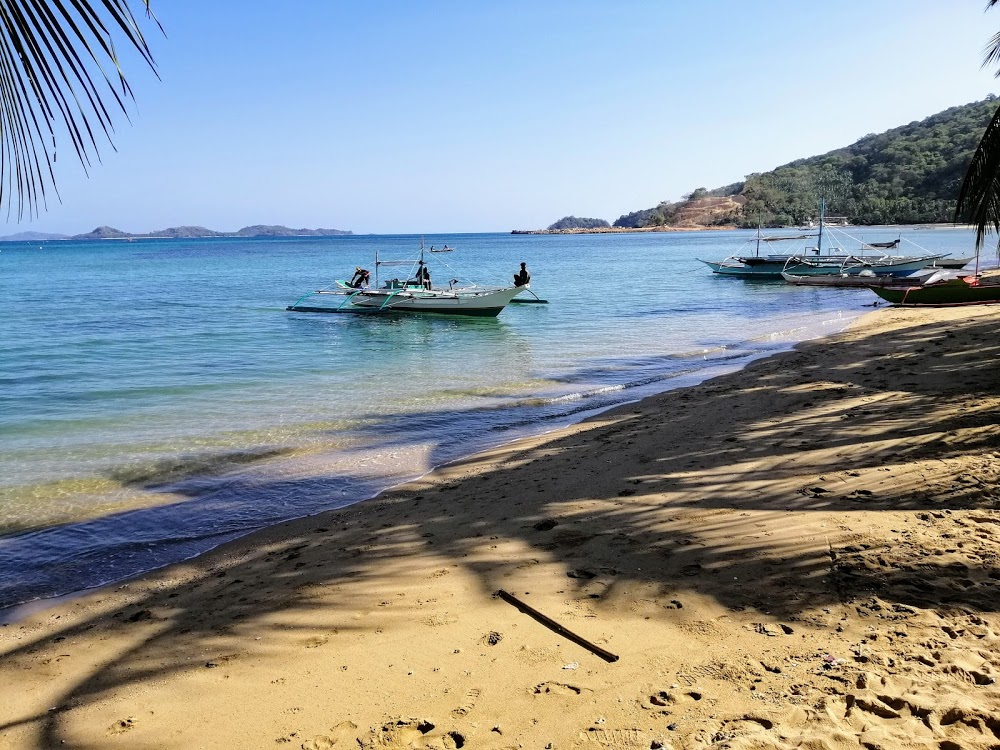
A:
573	222
619	230
906	175
33	237
186	232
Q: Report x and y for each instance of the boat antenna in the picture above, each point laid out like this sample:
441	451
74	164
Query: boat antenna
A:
758	234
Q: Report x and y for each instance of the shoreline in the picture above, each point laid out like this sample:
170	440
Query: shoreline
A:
658	529
630	393
628	230
726	227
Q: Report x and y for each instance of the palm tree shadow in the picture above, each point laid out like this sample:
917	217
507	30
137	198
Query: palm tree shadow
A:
631	506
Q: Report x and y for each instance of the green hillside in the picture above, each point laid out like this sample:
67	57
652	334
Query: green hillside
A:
907	175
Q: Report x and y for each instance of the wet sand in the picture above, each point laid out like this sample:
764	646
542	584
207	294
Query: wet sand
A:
799	555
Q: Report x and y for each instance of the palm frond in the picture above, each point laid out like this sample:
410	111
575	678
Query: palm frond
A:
54	83
992	54
979	198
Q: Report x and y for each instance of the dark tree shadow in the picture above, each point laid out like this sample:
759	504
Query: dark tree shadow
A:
857	433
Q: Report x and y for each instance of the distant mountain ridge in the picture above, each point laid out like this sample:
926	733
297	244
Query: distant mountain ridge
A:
32	237
185	232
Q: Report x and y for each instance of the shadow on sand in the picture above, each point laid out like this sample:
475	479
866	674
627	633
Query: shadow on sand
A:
883	426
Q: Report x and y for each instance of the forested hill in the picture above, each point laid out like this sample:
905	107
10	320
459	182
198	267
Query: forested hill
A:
910	174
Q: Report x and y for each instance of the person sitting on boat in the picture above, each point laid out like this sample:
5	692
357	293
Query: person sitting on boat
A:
423	275
360	278
522	277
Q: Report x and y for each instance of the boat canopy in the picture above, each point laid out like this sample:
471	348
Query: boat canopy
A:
780	239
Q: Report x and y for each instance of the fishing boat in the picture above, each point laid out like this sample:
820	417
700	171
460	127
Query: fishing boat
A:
854	265
775	266
413	294
814	261
944	289
866	278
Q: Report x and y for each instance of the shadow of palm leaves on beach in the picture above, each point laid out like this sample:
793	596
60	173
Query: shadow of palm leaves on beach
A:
709	510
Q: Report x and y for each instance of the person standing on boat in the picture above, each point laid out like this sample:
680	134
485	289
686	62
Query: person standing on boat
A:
424	275
522	277
360	279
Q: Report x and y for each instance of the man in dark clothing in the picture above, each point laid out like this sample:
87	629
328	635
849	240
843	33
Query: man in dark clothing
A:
360	279
522	277
424	276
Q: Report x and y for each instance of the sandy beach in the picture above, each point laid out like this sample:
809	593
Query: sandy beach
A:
798	555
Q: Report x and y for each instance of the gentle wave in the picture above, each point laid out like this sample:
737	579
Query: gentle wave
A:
156	399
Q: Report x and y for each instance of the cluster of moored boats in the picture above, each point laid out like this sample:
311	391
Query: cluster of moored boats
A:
920	278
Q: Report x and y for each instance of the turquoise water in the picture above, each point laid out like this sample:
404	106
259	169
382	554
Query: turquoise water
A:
157	399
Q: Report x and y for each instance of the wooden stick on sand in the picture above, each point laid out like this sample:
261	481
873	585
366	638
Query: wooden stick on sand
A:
556	627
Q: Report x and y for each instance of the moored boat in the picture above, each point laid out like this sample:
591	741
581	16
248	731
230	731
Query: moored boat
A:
944	290
409	295
774	267
815	260
866	278
857	265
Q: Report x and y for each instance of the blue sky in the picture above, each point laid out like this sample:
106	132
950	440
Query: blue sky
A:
440	116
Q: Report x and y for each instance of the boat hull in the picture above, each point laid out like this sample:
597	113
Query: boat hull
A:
838	281
731	269
469	303
947	294
767	268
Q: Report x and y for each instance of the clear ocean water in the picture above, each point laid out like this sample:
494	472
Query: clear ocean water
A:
156	398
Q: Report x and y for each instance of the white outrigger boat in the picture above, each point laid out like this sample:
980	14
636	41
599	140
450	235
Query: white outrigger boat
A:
410	295
813	261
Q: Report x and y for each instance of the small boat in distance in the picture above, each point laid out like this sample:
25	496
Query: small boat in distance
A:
444	249
413	294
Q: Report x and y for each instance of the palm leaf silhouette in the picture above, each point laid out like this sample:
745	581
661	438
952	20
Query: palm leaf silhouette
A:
59	77
979	198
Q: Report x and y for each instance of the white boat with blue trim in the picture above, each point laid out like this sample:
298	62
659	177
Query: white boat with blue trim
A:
412	294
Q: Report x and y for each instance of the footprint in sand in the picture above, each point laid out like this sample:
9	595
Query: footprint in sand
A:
121	726
470	702
621	739
400	733
320	742
411	733
557	688
972	667
345	733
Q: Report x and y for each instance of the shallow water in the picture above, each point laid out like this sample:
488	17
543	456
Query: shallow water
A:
157	399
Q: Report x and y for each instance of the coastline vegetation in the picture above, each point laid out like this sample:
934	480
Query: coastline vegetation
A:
574	222
908	175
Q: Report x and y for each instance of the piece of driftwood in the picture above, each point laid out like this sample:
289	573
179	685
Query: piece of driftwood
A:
555	626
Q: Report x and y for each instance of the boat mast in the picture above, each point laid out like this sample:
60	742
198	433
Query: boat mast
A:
819	239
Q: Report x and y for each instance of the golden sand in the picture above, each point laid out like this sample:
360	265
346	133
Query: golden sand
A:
799	555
